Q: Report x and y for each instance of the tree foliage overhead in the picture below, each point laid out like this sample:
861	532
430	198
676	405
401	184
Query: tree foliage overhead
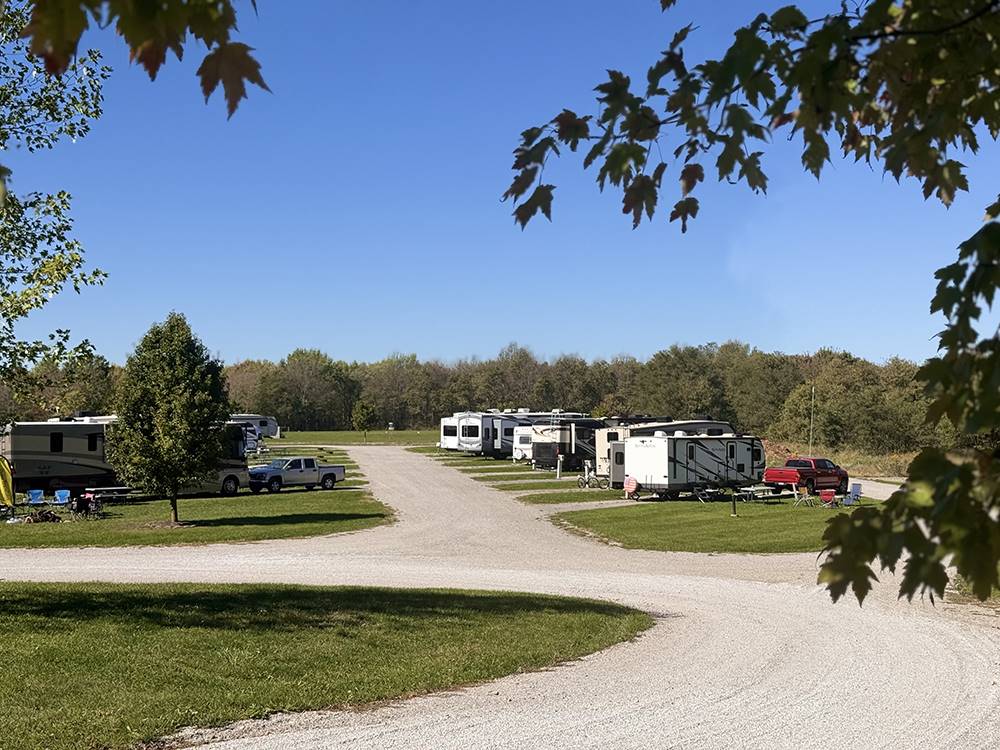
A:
907	85
38	255
171	403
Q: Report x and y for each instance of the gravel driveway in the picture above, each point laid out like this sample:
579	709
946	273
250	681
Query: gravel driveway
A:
747	650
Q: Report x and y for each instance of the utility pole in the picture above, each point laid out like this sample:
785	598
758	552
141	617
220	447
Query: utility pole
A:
812	414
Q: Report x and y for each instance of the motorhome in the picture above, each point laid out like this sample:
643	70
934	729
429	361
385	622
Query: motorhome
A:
449	434
266	426
668	463
70	454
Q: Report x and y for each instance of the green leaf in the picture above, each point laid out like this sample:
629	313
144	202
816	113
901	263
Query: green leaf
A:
691	175
540	200
787	19
992	210
640	195
683	210
524	179
231	65
571	129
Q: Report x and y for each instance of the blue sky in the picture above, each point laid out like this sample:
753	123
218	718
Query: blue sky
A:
356	208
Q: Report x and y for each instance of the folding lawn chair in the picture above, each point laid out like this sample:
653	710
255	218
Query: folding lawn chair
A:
828	498
61	499
854	496
36	498
802	496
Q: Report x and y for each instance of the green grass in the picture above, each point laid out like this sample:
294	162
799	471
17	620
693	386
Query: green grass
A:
514	477
110	666
691	526
244	518
571	496
544	484
375	437
494	469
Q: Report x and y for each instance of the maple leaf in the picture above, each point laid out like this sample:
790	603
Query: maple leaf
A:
230	64
683	210
691	175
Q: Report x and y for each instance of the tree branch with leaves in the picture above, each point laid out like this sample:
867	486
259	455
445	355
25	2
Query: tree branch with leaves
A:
904	84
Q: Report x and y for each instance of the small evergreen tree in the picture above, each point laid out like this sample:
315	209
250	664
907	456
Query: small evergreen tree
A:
363	417
171	404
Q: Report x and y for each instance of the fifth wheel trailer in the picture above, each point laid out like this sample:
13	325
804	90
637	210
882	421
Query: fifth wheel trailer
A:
668	464
622	428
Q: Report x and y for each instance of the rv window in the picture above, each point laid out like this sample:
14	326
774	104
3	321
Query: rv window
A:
524	440
619	458
732	450
714	430
263	423
756	455
92	441
612	437
508	432
55	442
690	451
310	463
296	464
449	430
470	430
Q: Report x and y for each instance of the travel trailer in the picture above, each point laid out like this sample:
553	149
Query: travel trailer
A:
522	442
449	434
70	454
620	428
668	463
570	437
266	426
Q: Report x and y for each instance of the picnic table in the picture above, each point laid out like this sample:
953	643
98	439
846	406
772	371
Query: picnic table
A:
107	495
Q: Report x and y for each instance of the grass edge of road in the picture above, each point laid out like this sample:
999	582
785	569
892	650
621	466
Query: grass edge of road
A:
248	651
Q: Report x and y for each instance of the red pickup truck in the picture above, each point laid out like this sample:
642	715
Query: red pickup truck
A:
815	474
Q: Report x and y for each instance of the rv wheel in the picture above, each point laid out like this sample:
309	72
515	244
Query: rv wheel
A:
230	486
274	485
603	483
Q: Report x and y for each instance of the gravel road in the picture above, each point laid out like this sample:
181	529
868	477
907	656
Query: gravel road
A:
747	651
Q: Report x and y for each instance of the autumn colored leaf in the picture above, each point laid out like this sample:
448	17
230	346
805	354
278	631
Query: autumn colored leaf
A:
540	200
684	209
231	65
691	175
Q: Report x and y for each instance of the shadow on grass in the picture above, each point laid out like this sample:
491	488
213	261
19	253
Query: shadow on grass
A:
56	606
286	518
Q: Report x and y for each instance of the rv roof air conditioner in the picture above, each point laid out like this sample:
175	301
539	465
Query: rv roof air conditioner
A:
680	433
660	433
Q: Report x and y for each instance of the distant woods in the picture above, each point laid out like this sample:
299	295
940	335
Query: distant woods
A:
859	404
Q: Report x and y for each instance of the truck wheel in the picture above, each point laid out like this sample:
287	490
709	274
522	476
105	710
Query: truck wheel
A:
810	486
842	489
329	481
274	485
230	486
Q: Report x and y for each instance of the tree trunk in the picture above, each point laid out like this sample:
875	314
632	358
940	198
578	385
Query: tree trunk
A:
173	509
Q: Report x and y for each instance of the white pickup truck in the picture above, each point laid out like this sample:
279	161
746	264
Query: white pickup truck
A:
294	471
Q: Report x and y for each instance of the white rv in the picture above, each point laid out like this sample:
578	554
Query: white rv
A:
70	454
638	426
670	463
266	426
449	434
522	442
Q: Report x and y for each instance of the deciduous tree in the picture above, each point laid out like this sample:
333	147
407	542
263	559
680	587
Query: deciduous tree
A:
905	85
172	406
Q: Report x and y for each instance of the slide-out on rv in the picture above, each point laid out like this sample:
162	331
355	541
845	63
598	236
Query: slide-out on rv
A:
569	437
670	463
449	434
70	454
266	426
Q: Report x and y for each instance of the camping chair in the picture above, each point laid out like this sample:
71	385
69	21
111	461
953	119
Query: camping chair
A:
61	499
36	498
802	496
854	496
828	498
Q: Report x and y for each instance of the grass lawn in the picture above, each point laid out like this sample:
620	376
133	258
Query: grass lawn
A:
109	666
571	496
493	469
543	484
243	518
380	437
691	526
515	476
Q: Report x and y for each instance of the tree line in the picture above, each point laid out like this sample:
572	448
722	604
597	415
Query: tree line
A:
859	404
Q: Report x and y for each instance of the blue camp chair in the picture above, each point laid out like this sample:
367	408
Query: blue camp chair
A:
61	499
854	496
36	497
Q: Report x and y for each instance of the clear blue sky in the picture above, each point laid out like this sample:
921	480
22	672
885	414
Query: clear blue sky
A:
356	208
